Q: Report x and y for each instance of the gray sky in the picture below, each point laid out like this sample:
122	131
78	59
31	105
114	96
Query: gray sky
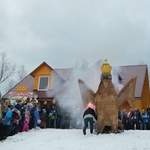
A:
64	32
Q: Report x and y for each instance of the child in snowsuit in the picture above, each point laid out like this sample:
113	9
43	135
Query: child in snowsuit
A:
26	121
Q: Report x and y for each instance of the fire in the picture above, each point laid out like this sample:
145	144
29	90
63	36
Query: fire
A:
90	105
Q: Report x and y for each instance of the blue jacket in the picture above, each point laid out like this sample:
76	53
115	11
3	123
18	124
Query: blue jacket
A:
36	114
144	118
36	117
7	116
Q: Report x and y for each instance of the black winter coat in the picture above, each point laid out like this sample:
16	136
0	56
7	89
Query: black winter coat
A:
91	112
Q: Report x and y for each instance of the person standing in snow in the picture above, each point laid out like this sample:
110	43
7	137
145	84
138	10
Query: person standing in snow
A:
130	119
124	119
148	114
89	116
16	117
43	117
53	114
136	118
144	120
26	120
45	106
36	117
6	125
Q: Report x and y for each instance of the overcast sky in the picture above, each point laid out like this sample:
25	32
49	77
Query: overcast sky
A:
64	32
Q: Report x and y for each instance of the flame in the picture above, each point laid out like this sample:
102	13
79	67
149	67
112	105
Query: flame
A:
90	105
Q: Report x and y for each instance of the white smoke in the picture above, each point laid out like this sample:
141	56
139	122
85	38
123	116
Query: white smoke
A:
115	79
70	99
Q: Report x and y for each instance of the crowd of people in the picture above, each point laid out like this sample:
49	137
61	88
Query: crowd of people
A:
132	120
22	116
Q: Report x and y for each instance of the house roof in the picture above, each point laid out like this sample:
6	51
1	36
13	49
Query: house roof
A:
27	81
127	72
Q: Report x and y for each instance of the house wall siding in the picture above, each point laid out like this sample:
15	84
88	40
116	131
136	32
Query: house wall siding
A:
145	97
43	71
145	93
137	104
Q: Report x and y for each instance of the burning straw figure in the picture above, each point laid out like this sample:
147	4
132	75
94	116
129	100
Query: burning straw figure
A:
106	104
106	99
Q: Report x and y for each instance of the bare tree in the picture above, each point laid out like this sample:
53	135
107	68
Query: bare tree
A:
21	72
10	85
7	69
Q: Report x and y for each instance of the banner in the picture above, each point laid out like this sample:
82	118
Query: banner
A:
20	95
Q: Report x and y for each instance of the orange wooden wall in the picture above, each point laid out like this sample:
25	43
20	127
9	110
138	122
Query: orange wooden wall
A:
145	99
43	71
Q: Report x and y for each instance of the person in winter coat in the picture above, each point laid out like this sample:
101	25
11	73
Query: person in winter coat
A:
36	117
53	114
26	120
6	125
16	117
43	117
148	113
124	119
89	116
45	106
136	118
19	105
144	120
130	119
31	122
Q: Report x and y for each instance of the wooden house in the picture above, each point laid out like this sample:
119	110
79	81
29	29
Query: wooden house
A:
43	83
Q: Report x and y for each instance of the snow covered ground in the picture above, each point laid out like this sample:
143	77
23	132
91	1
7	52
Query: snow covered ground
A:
73	139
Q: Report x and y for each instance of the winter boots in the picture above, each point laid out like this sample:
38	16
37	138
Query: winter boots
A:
84	131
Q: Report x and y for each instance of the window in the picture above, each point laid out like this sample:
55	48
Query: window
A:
43	83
